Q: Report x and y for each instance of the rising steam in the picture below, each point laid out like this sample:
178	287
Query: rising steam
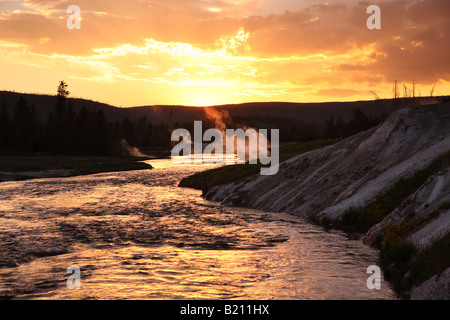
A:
133	151
222	118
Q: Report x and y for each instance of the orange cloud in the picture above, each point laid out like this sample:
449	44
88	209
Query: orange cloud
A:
249	50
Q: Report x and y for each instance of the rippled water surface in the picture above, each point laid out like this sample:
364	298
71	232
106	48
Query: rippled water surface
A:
136	235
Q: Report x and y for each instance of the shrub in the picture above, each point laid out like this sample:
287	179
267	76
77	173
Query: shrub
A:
363	218
239	172
406	266
395	259
432	260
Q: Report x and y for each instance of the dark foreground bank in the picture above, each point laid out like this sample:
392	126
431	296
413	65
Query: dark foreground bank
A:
13	168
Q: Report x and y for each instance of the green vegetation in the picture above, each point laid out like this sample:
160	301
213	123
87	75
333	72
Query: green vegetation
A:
395	259
207	179
445	206
405	228
432	260
405	266
74	165
363	218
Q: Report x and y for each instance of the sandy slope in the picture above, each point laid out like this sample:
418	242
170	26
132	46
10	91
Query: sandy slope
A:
330	180
427	199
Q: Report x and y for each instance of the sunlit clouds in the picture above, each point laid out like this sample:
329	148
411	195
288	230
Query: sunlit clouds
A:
211	52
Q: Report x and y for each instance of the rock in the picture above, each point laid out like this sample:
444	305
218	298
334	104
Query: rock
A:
436	288
427	199
330	180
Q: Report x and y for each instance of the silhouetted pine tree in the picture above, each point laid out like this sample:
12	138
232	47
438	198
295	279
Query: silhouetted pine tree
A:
100	135
147	142
69	130
340	128
83	127
141	128
330	128
24	127
128	131
5	129
59	125
358	123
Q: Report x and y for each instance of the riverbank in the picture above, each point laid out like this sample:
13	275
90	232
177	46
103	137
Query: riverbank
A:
390	181
205	180
15	168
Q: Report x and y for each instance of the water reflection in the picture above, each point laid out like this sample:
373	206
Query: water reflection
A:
136	235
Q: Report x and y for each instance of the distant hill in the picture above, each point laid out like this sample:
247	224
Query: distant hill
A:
316	113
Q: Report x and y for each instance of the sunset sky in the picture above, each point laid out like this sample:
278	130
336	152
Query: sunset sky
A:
205	52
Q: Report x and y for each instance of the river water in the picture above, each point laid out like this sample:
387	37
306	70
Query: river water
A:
136	235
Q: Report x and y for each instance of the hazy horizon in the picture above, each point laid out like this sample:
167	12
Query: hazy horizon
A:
214	105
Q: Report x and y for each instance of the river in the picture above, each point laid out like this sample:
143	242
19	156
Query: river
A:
136	235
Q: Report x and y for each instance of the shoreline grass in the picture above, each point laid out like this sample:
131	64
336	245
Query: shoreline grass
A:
361	219
13	168
239	172
404	264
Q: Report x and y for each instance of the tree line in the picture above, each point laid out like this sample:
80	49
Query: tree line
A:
66	132
293	130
